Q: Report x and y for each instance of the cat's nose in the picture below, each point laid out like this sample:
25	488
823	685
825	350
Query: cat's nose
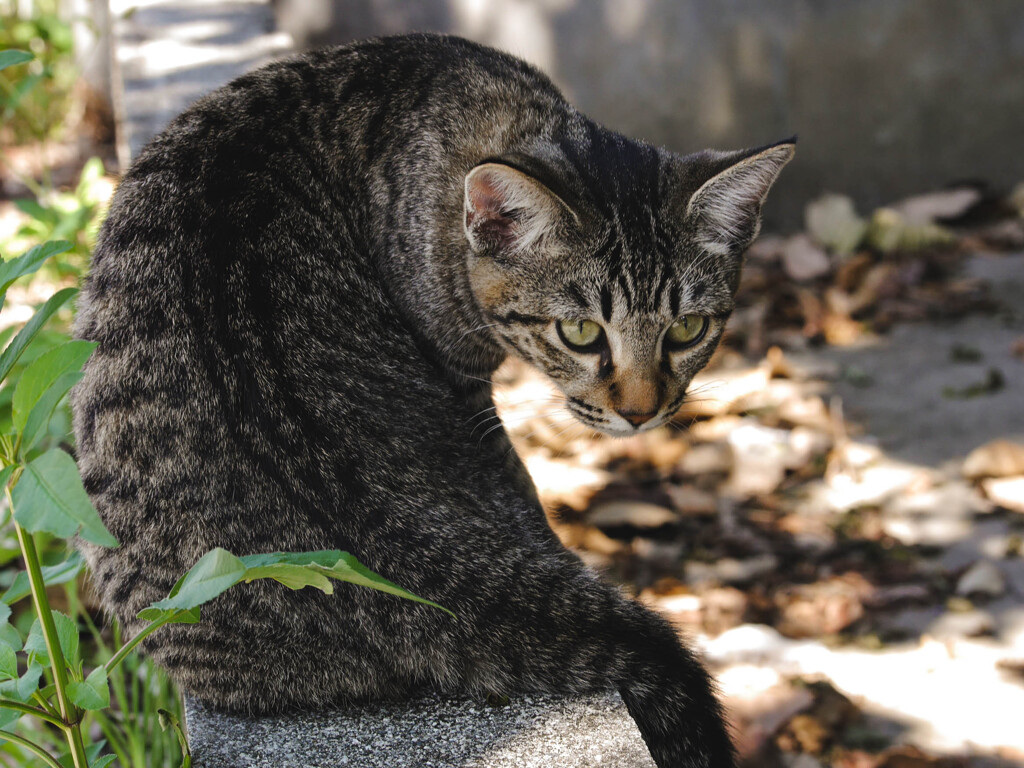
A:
637	418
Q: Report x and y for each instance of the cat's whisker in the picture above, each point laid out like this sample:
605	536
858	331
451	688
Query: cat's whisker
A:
705	387
566	418
535	430
480	413
470	376
494	428
487	421
475	330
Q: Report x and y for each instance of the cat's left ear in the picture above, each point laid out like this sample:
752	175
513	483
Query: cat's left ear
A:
508	212
725	211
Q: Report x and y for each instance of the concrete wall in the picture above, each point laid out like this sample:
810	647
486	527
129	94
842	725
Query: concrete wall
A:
889	97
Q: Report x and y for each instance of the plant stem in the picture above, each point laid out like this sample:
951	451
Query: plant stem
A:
130	645
42	603
44	704
68	711
31	747
28	709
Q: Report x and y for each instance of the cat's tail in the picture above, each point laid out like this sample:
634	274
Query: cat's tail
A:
670	695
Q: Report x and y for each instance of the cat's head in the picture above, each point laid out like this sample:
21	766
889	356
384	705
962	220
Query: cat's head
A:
615	277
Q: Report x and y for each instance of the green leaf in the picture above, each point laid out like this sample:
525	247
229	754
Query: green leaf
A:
351	570
50	497
287	568
29	682
215	572
5	611
93	693
29	262
17	346
5	474
22	88
9	636
41	375
103	762
8	716
292	576
8	662
11	57
39	417
38	212
61	573
169	720
67	636
219	570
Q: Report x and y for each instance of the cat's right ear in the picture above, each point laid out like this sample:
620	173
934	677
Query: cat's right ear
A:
726	211
507	212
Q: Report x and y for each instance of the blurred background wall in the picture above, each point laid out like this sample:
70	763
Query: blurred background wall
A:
889	97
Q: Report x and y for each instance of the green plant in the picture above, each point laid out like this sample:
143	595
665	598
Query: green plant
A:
35	106
73	215
43	678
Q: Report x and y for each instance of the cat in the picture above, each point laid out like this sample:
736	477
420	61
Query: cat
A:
299	296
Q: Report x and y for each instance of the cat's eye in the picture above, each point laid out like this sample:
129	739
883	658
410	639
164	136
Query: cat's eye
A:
581	335
686	331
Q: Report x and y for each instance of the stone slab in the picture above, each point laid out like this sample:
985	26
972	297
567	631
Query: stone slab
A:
530	731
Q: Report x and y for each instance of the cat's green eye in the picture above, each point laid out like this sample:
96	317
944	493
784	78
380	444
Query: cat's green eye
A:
686	331
581	335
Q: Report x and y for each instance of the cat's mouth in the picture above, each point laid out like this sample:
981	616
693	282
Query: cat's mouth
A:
629	430
615	424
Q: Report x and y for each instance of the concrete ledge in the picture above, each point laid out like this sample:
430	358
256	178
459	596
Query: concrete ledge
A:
540	731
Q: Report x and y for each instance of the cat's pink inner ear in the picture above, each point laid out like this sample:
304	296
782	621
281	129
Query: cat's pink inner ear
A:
506	211
483	197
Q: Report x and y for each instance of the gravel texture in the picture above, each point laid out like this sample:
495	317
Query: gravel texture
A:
580	732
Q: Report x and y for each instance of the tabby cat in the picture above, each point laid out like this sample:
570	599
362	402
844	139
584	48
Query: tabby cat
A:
299	296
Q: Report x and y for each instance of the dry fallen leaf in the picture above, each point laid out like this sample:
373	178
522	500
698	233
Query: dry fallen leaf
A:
803	260
1007	492
1000	458
833	221
637	514
803	733
982	578
936	206
822	608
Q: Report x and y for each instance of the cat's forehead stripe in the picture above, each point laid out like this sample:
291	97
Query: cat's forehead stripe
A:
659	291
606	303
574	294
674	301
626	291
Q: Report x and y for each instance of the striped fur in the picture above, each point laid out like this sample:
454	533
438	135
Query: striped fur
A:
295	335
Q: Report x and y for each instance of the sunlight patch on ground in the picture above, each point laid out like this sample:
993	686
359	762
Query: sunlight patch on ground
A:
952	697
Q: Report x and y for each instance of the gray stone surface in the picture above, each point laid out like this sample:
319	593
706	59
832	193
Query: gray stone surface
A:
529	732
890	97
